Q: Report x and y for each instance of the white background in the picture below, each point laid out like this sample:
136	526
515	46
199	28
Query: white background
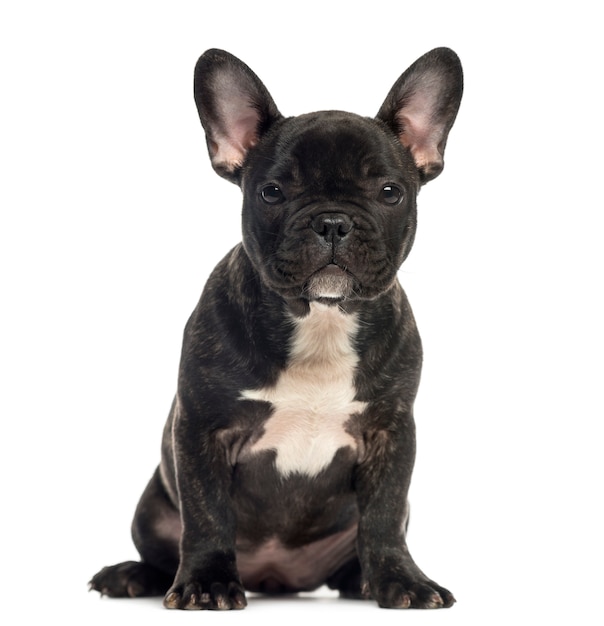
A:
112	218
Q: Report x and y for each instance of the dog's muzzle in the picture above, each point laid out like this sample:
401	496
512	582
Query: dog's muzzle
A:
331	282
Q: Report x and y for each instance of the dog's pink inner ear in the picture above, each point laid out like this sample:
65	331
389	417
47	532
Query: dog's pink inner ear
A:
228	150
423	141
420	129
237	130
421	108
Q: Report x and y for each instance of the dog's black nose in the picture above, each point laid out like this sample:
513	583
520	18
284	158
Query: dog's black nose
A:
332	227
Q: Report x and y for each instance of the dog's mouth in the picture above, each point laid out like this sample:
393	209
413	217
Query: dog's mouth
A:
329	283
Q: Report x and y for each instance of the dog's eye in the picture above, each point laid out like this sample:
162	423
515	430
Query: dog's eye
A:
271	194
391	194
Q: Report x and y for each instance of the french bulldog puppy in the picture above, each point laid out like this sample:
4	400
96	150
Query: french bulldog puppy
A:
289	447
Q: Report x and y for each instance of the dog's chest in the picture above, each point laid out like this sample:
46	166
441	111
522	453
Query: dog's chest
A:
314	397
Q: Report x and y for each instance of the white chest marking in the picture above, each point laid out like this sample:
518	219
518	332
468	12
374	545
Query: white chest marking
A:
314	396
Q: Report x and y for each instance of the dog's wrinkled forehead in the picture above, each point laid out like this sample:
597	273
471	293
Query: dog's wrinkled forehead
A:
332	150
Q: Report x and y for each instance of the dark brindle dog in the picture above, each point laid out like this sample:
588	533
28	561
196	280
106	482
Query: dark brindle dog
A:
290	444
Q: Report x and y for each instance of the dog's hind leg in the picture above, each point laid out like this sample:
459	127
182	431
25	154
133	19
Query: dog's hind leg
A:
348	581
131	579
156	532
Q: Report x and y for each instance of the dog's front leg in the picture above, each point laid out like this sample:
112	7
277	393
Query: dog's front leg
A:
207	576
390	575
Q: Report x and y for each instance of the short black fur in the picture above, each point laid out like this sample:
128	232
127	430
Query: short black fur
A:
289	448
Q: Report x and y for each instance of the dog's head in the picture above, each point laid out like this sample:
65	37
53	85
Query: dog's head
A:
329	210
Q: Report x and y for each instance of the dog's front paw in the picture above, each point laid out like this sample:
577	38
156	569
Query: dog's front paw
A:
403	594
206	595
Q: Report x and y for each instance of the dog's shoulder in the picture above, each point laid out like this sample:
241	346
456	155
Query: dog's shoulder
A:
239	331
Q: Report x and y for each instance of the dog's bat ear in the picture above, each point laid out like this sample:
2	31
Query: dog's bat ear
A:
421	108
234	107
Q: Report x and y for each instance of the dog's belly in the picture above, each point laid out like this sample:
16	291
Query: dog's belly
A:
314	397
273	568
